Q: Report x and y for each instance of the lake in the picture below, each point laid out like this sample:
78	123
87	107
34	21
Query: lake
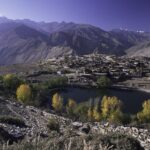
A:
132	100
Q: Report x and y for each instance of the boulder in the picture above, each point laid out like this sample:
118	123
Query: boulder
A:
85	128
77	125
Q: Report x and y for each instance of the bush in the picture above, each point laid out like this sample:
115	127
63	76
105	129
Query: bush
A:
89	142
56	82
81	111
12	120
103	82
122	142
24	93
11	81
53	125
116	117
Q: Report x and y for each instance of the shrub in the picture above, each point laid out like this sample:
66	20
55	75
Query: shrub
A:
12	120
71	142
81	111
122	142
11	81
144	115
116	117
57	102
56	82
24	93
53	125
103	82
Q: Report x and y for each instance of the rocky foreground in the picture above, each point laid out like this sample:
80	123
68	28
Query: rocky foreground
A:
33	126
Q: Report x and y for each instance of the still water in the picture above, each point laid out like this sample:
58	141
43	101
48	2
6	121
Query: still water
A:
132	100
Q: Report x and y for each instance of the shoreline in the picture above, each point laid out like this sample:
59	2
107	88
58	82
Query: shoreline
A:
117	87
144	90
131	88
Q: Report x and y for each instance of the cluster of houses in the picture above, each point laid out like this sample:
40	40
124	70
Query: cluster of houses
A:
86	69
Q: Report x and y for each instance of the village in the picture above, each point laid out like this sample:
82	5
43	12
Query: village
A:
84	70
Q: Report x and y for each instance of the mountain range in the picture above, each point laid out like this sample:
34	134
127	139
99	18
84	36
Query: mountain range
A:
26	41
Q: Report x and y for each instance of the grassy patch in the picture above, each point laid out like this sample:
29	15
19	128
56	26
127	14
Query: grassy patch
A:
53	124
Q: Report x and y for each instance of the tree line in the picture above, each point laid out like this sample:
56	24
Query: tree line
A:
105	109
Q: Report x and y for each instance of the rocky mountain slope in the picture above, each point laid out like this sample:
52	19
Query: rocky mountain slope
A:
32	127
26	41
142	49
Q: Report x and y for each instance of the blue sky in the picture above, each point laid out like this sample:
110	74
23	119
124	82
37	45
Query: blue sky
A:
107	14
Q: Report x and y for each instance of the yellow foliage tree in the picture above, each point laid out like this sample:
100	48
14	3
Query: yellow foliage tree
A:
96	115
71	105
96	110
110	105
90	109
90	114
24	93
144	115
116	117
57	102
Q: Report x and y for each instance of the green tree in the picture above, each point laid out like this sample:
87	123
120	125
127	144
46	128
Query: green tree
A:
11	81
103	82
24	93
144	115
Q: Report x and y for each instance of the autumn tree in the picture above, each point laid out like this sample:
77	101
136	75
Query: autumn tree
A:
116	117
144	115
90	109
71	105
24	93
57	102
96	110
96	114
111	108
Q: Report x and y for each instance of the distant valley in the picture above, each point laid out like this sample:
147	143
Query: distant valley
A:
26	41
